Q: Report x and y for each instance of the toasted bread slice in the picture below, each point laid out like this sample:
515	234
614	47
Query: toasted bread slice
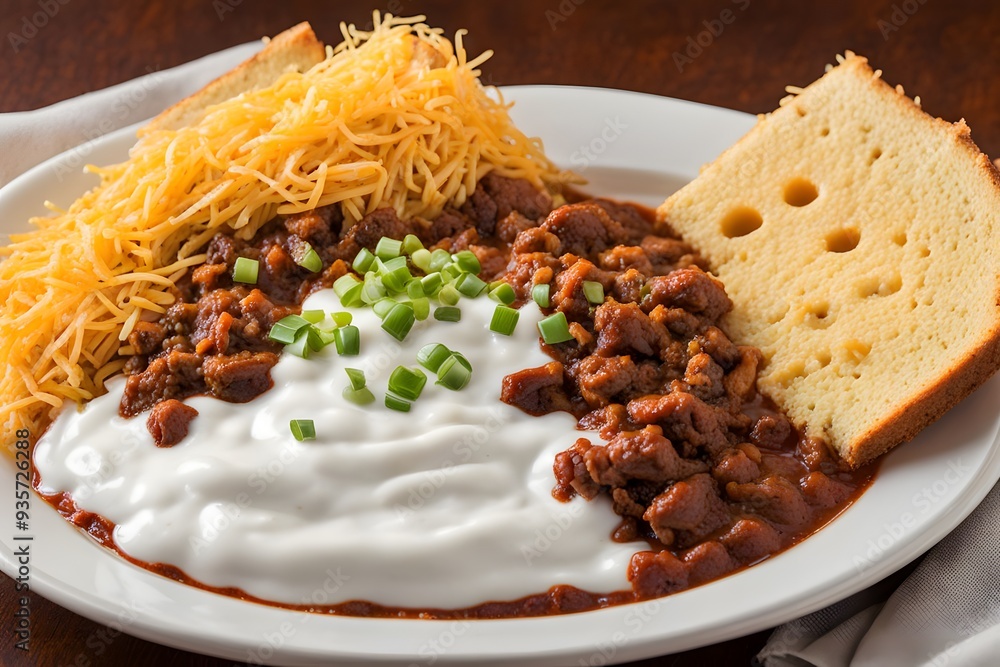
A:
859	239
296	48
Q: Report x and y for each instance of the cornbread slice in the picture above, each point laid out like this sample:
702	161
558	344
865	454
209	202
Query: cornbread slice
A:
296	48
859	239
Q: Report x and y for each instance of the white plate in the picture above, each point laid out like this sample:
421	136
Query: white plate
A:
630	146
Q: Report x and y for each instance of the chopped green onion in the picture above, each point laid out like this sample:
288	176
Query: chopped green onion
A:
313	316
310	260
383	306
407	382
344	283
341	319
352	296
594	291
303	429
287	328
282	334
440	258
388	248
503	293
450	272
448	314
452	374
399	321
644	292
448	295
245	270
325	337
411	244
396	403
347	339
363	261
300	347
431	284
395	274
555	329
540	295
373	289
414	288
504	320
362	396
421	308
467	261
462	360
432	355
357	377
470	285
422	259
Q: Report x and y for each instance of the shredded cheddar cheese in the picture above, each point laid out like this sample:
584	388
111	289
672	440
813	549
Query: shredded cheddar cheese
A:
393	117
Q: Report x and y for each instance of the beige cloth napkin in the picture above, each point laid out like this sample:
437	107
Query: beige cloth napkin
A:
30	137
946	612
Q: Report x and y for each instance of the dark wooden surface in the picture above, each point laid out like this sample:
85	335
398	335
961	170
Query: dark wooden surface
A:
732	53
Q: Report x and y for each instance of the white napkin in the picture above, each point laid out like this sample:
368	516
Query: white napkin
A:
30	137
947	611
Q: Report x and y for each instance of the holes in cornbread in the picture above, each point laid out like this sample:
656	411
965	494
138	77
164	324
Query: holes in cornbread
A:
879	285
874	155
845	239
800	192
899	238
825	132
741	221
817	315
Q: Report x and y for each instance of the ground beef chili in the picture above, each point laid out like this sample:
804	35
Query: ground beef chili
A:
695	462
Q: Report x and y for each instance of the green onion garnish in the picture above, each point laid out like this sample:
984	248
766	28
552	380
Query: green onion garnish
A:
363	261
421	308
373	289
310	260
341	319
313	316
431	284
347	339
357	377
407	382
348	287
362	396
594	292
399	320
503	293
451	272
540	295
467	261
411	244
504	320
287	328
303	429
452	374
396	403
383	306
470	285
388	248
440	258
300	347
448	314
431	356
462	360
448	295
414	288
555	329
422	259
245	270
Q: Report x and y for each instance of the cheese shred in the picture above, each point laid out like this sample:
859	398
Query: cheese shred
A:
392	117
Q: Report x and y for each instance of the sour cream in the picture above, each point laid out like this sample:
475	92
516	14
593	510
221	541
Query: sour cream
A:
448	505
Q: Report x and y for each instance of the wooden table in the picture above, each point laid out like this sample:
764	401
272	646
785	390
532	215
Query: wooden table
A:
732	53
